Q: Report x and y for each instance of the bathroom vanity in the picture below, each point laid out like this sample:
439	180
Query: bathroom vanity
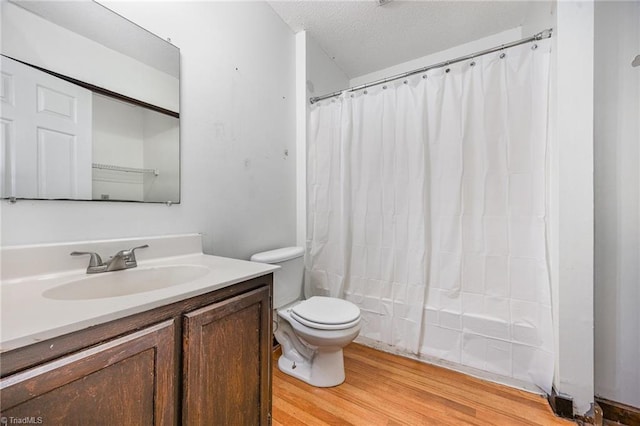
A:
197	352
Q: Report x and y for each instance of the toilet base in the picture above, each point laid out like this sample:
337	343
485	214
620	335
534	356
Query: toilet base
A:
325	370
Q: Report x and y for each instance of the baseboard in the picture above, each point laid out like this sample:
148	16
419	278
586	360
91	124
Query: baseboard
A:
562	405
621	413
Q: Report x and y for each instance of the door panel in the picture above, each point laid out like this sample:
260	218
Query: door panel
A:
7	132
6	161
47	106
59	104
57	177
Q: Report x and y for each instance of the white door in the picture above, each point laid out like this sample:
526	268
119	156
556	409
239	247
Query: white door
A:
8	115
46	135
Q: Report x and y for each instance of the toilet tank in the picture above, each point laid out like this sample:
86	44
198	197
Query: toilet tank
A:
287	281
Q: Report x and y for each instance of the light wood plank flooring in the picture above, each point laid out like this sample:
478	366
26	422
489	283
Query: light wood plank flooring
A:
385	389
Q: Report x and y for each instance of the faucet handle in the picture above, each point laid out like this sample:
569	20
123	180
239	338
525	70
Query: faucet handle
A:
132	255
95	259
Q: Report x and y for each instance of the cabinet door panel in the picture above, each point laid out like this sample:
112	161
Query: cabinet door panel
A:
127	381
227	348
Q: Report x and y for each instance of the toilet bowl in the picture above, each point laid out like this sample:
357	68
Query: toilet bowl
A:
319	361
312	332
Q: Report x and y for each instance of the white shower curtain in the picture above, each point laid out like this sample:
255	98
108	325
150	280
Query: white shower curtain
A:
427	208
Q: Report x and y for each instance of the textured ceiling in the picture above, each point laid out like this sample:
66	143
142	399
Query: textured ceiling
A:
363	37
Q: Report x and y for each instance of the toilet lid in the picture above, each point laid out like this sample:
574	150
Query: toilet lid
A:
326	313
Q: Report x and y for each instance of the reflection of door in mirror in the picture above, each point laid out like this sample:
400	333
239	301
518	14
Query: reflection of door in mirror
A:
46	135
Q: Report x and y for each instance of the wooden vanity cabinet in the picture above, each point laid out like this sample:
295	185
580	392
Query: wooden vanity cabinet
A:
126	381
201	361
227	347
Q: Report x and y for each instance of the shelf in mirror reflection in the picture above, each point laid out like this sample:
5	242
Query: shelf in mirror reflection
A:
155	172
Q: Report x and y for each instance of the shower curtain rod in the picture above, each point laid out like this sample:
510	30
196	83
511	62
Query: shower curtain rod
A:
539	36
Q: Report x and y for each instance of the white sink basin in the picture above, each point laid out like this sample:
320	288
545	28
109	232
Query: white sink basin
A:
126	282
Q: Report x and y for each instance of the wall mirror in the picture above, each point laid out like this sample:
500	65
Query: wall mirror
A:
89	105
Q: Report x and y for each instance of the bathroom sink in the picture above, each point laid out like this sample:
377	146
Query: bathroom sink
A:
127	282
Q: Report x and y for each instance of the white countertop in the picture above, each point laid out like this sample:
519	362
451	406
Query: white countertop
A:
29	317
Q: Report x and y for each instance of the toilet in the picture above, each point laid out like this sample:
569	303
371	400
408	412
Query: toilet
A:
311	332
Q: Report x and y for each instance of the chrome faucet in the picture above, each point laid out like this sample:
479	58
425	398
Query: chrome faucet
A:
124	259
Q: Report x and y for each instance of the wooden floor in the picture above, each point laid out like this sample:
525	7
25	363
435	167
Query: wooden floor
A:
385	389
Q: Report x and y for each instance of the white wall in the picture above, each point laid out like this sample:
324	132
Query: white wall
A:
571	200
617	208
29	38
323	74
237	121
541	16
464	49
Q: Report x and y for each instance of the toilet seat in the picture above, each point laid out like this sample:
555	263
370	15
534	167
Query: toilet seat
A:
326	313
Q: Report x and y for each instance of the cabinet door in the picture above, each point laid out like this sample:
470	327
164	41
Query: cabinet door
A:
126	381
227	362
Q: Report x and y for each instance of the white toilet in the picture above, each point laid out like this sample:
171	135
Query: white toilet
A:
311	332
